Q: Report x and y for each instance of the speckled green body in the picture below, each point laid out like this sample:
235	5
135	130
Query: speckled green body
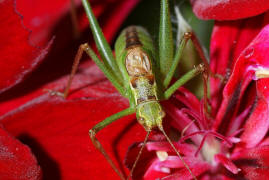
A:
135	57
133	73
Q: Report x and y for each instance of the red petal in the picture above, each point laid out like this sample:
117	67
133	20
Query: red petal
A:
253	162
16	159
254	56
57	130
185	149
150	167
258	123
90	75
228	10
265	142
197	167
18	57
181	120
144	162
51	124
41	17
118	15
226	162
228	40
152	174
62	55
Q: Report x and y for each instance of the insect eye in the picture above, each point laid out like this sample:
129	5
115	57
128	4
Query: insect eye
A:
141	119
162	113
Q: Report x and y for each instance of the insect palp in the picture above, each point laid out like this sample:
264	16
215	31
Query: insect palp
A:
176	151
139	154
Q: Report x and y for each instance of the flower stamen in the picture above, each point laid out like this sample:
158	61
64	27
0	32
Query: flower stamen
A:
162	155
262	73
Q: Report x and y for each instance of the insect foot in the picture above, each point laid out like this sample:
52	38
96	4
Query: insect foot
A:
188	35
92	135
55	93
201	68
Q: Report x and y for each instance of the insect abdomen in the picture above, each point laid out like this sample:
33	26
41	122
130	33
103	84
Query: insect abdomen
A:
131	38
135	34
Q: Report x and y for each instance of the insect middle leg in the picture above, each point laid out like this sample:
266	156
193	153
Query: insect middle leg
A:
101	125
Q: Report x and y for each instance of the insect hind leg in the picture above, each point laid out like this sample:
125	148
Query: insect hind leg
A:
100	126
139	154
86	48
99	146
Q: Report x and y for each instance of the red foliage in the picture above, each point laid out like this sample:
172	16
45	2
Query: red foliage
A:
56	130
228	10
16	159
232	142
18	57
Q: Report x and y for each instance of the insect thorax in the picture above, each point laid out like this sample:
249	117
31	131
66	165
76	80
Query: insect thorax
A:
142	82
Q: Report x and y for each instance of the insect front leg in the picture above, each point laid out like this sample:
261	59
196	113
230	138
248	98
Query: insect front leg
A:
101	125
177	57
167	62
201	54
185	78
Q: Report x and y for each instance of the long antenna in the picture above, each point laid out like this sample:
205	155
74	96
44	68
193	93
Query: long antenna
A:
180	157
139	154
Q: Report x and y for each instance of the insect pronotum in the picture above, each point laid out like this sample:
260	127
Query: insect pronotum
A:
139	73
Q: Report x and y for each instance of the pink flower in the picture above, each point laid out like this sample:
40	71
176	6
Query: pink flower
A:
55	131
231	141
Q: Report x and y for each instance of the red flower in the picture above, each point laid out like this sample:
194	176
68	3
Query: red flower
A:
228	10
55	130
232	141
